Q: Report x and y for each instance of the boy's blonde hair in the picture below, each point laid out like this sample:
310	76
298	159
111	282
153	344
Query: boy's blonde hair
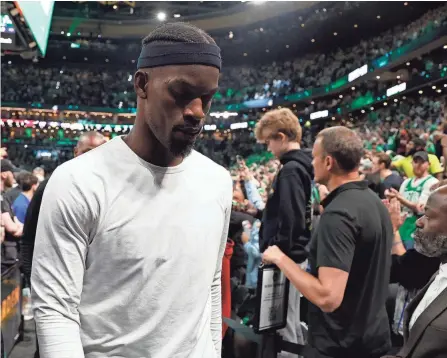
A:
279	121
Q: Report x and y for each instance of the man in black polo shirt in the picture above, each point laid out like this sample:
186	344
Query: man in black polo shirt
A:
349	257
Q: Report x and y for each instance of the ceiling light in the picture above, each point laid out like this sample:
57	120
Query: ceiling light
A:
445	84
433	87
372	108
302	25
324	9
398	77
385	104
420	92
408	63
395	100
230	35
378	77
355	25
68	34
62	32
115	7
312	102
335	34
313	40
177	16
445	47
363	111
341	96
353	88
9	62
405	3
378	16
261	29
333	118
85	59
404	97
267	50
439	91
245	54
287	46
161	16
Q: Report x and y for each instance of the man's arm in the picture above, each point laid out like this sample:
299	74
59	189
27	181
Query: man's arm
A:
216	288
66	219
444	152
435	168
336	247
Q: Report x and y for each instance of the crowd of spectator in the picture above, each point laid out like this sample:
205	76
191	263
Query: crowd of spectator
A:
112	88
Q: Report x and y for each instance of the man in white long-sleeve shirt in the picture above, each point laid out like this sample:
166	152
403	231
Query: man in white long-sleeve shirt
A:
131	235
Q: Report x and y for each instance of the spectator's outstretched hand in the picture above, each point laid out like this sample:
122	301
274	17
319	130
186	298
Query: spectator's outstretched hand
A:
394	208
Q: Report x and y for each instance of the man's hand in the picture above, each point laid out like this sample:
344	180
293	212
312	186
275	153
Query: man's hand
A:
3	153
394	208
392	194
250	208
272	255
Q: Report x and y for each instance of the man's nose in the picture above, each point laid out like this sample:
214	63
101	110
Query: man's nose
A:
195	110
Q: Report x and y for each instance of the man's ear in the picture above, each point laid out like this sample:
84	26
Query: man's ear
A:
141	79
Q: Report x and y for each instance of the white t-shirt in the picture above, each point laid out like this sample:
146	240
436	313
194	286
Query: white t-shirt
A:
128	256
438	285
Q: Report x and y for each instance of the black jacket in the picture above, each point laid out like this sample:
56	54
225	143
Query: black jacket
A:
286	219
29	229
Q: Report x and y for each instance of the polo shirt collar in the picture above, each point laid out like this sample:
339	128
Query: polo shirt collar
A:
360	185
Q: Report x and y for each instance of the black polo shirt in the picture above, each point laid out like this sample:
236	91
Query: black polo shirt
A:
355	235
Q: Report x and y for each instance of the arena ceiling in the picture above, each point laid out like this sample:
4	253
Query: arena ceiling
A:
131	10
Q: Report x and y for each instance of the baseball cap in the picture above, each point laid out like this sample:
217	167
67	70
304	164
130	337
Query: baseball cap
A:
421	155
7	166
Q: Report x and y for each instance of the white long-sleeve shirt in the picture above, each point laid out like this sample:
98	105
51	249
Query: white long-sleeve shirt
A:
128	256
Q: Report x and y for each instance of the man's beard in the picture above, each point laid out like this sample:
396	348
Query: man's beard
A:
181	148
430	245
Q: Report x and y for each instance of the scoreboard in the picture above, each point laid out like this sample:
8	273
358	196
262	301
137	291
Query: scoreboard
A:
8	39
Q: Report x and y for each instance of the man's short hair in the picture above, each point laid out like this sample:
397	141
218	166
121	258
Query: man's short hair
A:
27	180
279	121
90	135
419	144
384	159
344	145
178	32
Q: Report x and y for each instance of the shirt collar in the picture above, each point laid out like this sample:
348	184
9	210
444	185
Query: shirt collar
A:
360	185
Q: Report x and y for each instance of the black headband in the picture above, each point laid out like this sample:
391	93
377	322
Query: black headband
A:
155	55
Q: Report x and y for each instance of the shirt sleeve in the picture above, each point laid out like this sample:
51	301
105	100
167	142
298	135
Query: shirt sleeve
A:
398	164
19	209
216	288
253	194
336	240
66	218
435	165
